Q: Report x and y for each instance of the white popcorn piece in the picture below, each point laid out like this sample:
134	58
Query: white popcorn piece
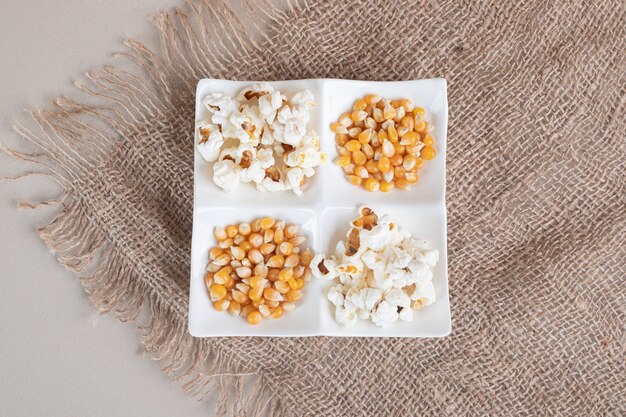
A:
210	142
255	91
295	177
345	317
226	175
383	280
406	314
254	173
303	98
335	295
385	314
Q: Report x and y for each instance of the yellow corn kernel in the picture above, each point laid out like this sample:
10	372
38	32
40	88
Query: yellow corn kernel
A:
282	287
386	186
267	248
285	248
244	229
360	104
299	283
285	274
221	305
392	133
264	310
237	252
245	245
389	112
372	98
420	126
291	231
231	230
372	184
388	149
247	309
411	177
428	140
267	223
359	158
408	122
353	145
292	260
354	132
382	135
254	317
409	138
345	120
229	283
272	274
272	295
403	184
407	104
259	302
409	162
239	297
367	150
361	172
276	313
384	165
306	257
217	292
293	283
208	280
365	136
371	166
215	252
294	295
354	180
396	160
244	272
419	111
358	116
268	236
341	139
257	281
427	153
220	233
276	261
221	275
234	308
256	293
255	239
400	149
338	128
255	256
343	160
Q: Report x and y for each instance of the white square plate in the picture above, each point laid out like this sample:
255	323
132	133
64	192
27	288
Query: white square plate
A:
329	202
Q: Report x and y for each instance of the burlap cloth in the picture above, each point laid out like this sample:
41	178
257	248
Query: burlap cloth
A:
536	203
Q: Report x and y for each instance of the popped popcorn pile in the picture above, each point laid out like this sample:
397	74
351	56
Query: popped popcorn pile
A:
260	137
384	274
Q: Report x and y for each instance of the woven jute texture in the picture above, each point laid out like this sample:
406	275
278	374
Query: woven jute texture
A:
536	202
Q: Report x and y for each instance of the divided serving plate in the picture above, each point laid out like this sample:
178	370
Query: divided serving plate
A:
323	212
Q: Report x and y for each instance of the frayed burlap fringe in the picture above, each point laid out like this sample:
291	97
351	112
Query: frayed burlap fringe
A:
536	193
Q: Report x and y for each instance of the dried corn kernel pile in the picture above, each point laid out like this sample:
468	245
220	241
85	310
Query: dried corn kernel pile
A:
258	269
382	144
384	274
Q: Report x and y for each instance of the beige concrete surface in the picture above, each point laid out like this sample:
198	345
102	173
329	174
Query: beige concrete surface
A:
58	357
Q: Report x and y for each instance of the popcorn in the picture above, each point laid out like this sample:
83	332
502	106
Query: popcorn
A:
226	175
211	140
273	149
384	274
